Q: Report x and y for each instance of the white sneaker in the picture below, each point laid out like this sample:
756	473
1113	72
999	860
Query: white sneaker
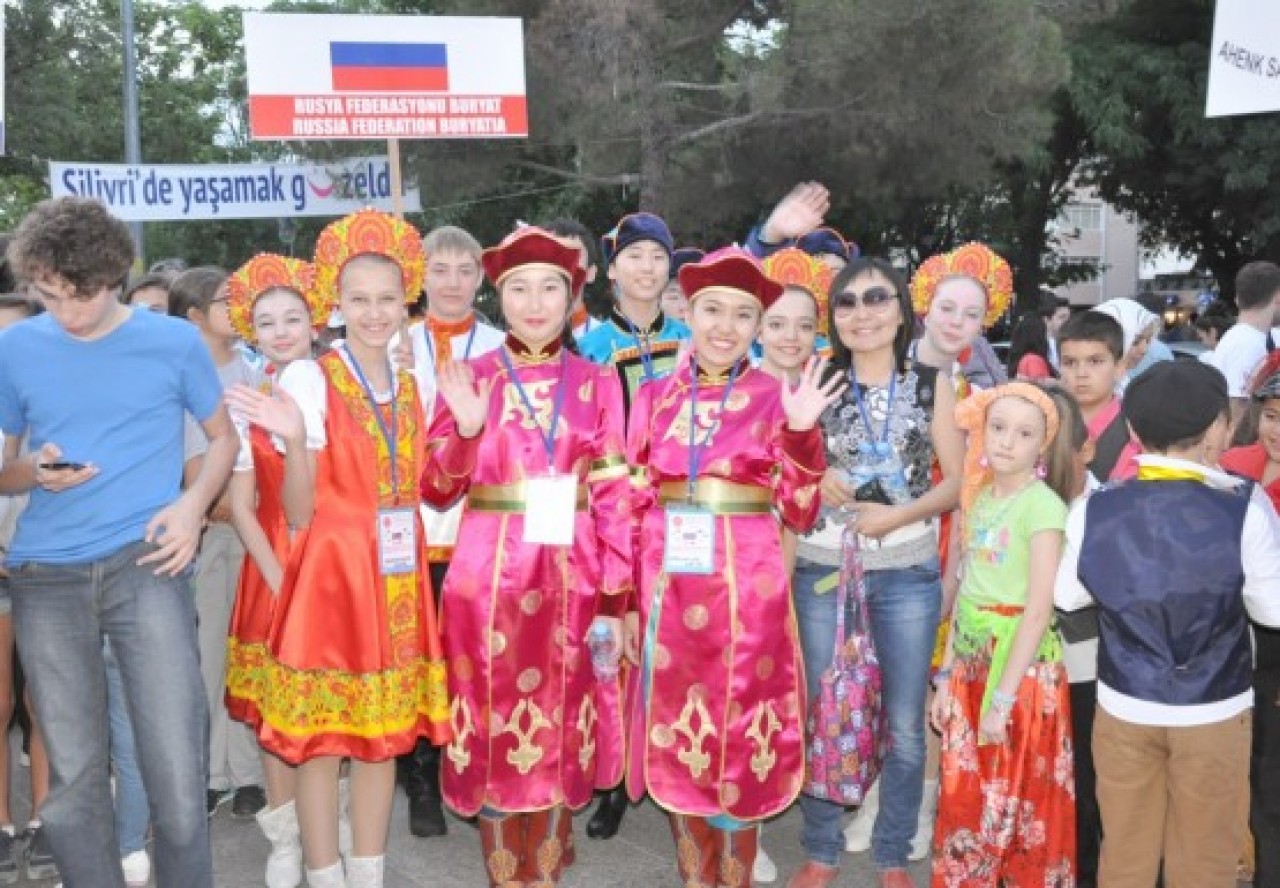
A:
764	870
922	842
857	835
137	869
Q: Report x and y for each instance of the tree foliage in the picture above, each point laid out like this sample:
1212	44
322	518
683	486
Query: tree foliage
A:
933	121
1208	186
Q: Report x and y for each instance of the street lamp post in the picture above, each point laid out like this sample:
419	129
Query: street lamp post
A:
132	132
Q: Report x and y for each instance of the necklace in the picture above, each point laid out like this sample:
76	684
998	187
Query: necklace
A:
988	513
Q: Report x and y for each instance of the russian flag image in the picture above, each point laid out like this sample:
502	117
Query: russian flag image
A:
389	67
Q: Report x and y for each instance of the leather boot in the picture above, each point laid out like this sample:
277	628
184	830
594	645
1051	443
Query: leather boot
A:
422	786
546	836
697	850
608	815
738	856
502	843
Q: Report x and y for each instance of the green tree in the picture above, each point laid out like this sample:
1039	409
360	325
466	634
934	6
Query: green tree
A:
708	110
1207	186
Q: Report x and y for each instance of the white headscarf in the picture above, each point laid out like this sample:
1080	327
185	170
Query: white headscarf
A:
1132	317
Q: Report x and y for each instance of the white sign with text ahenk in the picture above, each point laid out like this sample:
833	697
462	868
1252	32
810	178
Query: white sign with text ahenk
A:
1244	59
169	192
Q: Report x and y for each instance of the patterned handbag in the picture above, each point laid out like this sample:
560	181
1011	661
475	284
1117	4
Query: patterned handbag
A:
848	736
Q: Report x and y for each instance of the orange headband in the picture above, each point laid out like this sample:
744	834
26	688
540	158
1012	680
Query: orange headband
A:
971	417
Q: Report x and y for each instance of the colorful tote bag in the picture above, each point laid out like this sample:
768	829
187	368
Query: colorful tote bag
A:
848	736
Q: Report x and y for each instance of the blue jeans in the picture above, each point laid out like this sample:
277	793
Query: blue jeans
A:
62	613
131	795
905	606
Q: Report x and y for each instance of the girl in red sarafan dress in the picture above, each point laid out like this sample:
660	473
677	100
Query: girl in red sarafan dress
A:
533	435
273	304
354	666
1006	805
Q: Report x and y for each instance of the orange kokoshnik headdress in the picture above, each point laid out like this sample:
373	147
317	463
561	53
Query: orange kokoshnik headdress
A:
269	271
971	417
369	232
972	260
793	267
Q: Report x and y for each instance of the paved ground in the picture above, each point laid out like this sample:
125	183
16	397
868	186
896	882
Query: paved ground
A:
641	856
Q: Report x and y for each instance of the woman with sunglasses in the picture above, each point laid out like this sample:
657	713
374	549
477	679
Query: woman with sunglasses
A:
881	440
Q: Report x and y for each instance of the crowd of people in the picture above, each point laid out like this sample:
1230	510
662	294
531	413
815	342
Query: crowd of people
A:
281	536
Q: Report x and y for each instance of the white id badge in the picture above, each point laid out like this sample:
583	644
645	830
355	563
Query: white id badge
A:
397	541
549	505
691	541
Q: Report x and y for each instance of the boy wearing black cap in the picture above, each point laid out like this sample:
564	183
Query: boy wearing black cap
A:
1177	560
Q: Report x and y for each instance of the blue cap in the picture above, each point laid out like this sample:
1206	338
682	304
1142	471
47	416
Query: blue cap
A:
685	256
827	240
634	228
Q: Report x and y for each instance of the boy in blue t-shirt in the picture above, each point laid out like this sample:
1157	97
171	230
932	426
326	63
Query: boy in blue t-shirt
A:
104	546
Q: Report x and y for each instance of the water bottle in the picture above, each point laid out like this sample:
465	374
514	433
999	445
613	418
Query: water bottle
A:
604	653
893	479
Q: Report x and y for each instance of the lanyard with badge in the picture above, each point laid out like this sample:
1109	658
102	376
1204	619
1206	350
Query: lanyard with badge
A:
878	474
549	500
691	530
643	346
466	352
397	529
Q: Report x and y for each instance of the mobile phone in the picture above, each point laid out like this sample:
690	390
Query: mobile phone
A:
62	466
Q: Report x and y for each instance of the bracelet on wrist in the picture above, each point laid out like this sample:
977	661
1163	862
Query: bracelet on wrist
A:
1002	702
941	677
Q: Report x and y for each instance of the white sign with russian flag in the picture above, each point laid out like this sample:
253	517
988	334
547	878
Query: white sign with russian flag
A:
385	77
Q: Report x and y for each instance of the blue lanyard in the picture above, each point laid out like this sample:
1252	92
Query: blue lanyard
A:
642	345
388	434
880	446
548	437
426	337
697	449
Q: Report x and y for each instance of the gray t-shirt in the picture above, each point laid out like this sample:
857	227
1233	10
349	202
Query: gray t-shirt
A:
237	371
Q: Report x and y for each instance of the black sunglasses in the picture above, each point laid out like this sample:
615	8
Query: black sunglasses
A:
874	299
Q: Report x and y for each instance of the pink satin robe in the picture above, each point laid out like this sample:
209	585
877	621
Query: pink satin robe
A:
723	728
534	728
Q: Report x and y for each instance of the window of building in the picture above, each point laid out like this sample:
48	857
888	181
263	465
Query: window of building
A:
1085	217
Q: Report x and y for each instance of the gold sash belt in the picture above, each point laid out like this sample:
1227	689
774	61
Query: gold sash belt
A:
718	496
509	497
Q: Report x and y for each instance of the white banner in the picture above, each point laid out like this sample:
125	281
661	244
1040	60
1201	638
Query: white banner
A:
384	76
1244	58
158	193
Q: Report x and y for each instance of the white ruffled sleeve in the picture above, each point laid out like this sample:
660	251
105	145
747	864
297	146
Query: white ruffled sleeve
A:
304	381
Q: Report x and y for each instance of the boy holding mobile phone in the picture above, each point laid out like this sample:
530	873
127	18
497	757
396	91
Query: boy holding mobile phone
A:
103	550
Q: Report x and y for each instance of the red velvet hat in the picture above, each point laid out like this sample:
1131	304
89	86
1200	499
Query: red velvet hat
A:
532	246
730	269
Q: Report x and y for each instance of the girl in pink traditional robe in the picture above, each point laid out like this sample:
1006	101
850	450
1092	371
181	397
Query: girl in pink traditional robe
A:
726	455
544	550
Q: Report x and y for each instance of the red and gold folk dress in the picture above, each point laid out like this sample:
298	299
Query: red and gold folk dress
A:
354	664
